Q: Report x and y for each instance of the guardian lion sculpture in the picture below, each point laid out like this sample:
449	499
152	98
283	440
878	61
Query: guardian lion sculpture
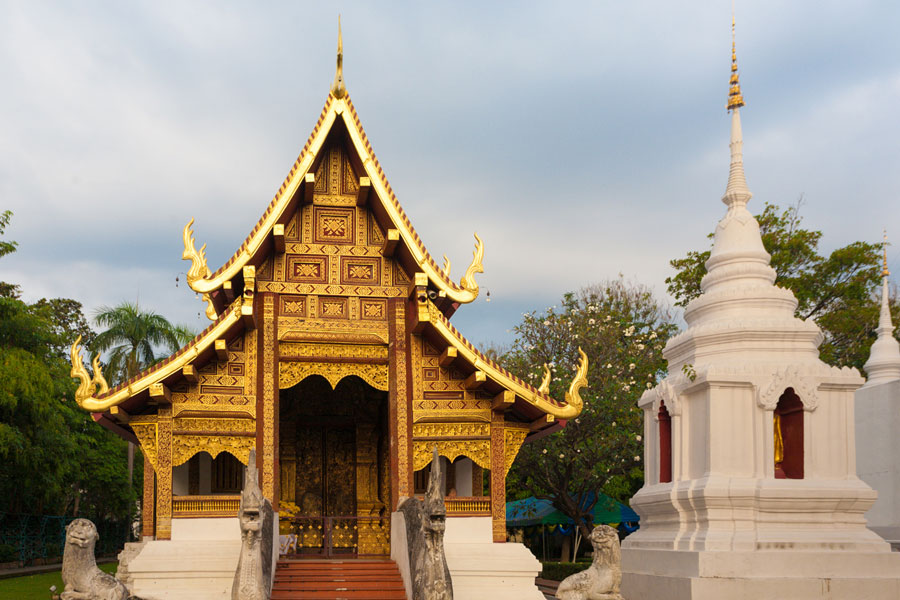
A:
601	580
82	579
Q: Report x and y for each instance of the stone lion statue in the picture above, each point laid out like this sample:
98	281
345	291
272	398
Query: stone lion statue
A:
601	580
82	579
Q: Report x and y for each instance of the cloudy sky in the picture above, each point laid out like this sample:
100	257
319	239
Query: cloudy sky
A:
581	140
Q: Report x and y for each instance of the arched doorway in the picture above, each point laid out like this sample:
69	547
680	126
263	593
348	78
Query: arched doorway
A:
788	427
334	467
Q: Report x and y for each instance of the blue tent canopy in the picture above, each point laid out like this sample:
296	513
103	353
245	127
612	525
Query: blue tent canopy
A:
532	511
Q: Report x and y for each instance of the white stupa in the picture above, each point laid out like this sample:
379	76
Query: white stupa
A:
750	459
878	423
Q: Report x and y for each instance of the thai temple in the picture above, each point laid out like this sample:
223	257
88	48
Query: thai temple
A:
332	355
877	423
751	488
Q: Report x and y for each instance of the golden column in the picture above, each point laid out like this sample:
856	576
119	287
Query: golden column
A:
498	476
164	474
148	501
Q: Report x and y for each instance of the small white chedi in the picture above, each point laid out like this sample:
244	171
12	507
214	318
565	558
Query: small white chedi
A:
878	421
750	483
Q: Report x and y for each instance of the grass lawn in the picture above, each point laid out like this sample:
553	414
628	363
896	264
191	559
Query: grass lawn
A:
37	587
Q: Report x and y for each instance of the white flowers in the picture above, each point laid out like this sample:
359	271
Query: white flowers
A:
631	366
637	458
653	335
544	451
591	321
626	387
638	438
640	346
561	455
649	385
547	323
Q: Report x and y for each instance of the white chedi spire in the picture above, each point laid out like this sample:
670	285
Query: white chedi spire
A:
741	312
884	357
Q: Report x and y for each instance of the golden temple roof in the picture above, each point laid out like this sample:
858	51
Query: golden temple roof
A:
335	110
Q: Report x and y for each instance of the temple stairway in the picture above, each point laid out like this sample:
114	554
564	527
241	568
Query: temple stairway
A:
336	579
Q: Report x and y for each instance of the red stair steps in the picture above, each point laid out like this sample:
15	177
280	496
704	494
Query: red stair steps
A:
337	580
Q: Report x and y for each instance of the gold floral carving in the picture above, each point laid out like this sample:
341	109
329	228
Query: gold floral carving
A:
186	446
209	425
314	350
292	373
439	430
400	391
478	450
268	398
164	474
513	442
146	435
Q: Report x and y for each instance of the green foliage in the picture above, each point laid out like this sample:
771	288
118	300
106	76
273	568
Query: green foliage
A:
557	571
54	459
837	290
131	338
6	247
622	328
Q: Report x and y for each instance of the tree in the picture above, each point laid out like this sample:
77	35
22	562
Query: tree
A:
838	290
132	337
53	458
622	328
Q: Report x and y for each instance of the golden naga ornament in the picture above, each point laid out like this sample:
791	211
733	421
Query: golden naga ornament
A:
198	269
446	269
573	396
544	388
211	313
88	386
468	282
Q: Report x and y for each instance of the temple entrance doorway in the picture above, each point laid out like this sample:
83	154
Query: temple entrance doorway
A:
334	469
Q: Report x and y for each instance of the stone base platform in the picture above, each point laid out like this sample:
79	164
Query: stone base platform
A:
482	569
198	563
760	575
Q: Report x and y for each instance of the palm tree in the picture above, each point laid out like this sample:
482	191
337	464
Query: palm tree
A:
133	337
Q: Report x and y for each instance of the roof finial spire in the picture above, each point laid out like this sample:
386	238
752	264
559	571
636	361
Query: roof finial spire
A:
337	88
736	192
735	99
884	357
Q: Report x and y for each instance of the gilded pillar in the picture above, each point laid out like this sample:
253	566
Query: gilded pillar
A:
267	399
164	474
148	499
498	476
399	401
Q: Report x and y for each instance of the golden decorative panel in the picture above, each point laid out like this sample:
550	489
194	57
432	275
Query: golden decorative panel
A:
360	270
314	350
330	288
146	435
186	446
440	430
212	425
205	506
513	439
374	310
294	306
307	269
334	307
478	450
334	225
292	373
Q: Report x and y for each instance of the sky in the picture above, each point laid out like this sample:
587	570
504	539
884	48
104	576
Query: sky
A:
581	140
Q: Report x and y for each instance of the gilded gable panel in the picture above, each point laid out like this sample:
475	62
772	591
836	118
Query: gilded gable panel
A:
225	385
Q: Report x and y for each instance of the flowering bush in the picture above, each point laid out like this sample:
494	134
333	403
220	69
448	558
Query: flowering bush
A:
622	328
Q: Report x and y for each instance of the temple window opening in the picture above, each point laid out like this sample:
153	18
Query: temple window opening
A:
788	429
665	444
